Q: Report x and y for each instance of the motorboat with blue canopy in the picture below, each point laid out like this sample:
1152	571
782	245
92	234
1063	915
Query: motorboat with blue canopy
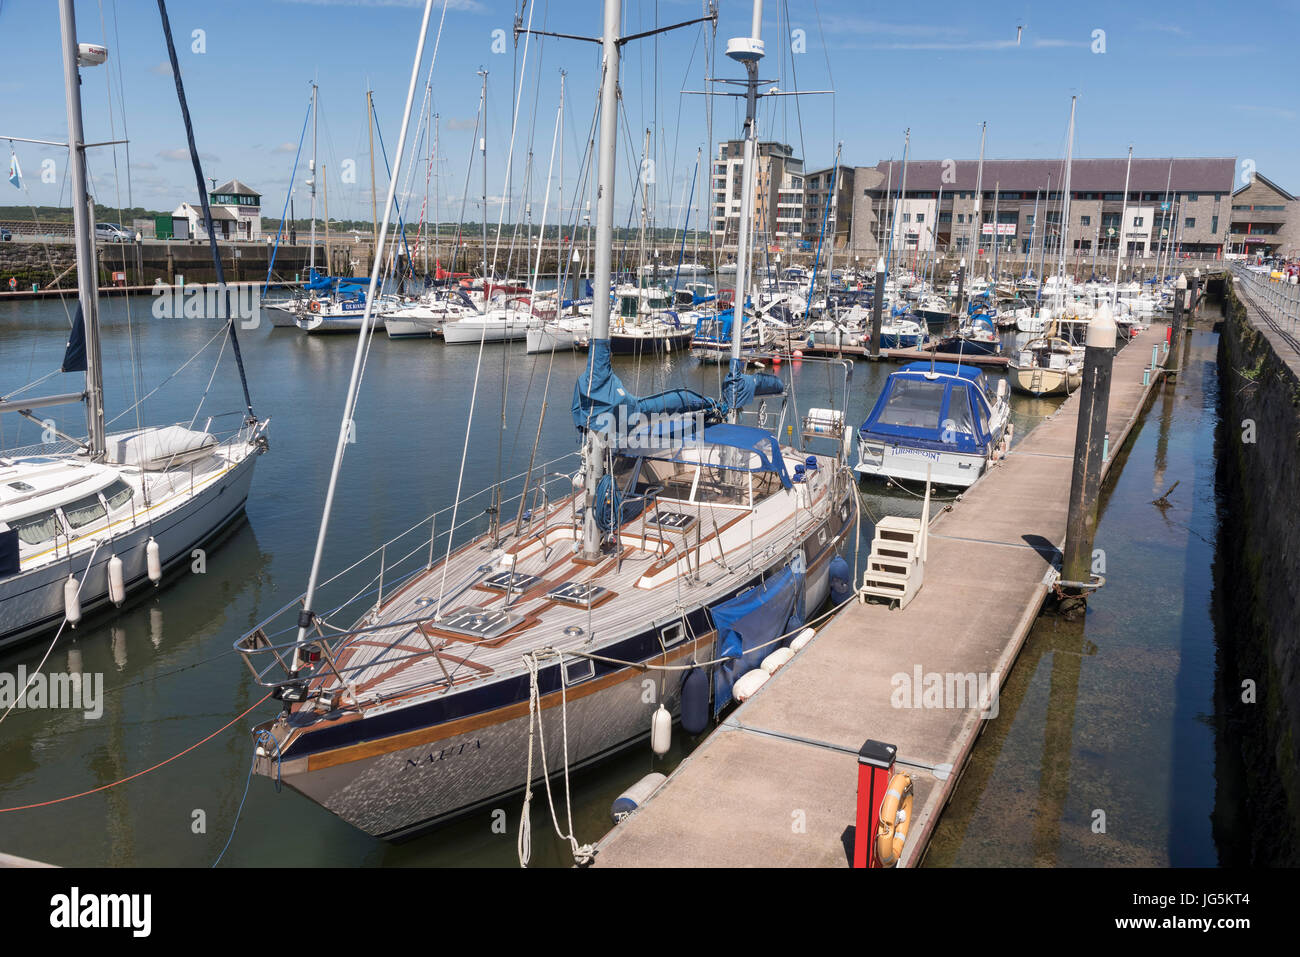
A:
940	420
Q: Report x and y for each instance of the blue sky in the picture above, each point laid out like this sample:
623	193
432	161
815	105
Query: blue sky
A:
1174	79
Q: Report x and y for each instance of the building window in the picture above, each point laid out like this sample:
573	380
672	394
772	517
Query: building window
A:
1189	222
1137	220
907	217
920	217
1085	220
1214	225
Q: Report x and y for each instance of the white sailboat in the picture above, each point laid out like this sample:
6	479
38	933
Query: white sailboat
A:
426	705
82	524
1048	366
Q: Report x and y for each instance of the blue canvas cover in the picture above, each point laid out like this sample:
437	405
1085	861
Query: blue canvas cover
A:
601	402
740	388
747	623
749	438
318	283
716	326
930	413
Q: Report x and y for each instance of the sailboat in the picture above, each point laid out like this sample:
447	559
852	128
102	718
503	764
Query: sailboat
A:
1049	365
84	523
695	538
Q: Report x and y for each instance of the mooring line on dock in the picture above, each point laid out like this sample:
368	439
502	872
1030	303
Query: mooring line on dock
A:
940	771
1040	549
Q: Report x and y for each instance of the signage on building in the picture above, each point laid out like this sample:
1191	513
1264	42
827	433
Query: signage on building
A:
1004	229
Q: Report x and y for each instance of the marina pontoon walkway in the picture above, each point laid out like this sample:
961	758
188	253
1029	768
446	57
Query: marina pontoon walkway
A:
775	785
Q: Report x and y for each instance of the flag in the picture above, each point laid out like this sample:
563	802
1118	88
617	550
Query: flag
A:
15	174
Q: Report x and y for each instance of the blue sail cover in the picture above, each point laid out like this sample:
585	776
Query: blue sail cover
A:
740	388
747	623
600	402
319	283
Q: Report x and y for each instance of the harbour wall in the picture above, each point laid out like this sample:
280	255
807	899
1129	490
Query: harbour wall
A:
1258	575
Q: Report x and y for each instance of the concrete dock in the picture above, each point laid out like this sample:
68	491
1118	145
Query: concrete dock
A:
775	784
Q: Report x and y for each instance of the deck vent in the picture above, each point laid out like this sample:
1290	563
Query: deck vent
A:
479	622
576	594
511	581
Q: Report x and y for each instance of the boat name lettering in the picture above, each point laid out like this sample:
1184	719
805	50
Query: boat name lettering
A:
435	756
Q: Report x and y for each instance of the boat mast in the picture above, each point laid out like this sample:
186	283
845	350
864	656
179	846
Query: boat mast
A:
645	213
593	450
482	148
307	617
1042	240
997	188
325	194
312	181
977	230
374	207
561	263
902	194
1033	234
437	197
748	51
1065	203
83	219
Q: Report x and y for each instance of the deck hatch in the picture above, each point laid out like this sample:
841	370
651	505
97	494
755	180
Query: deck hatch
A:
479	622
576	594
672	521
510	581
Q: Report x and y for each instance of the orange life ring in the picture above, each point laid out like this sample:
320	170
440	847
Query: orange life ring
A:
314	306
895	819
13	283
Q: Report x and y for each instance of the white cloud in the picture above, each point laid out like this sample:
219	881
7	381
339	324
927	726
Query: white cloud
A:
180	155
284	148
466	124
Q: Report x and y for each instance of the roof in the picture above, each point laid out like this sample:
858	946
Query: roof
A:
190	209
971	373
1204	174
1267	182
236	188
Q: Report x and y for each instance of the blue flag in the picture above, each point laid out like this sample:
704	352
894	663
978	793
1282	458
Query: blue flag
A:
15	174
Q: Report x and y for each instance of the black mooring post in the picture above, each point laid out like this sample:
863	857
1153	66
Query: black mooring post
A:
877	307
1195	302
1176	330
1085	482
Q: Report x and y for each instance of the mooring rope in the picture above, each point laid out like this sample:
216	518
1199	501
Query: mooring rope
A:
132	777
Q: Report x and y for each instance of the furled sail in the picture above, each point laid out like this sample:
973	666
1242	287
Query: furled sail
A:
74	356
741	388
601	403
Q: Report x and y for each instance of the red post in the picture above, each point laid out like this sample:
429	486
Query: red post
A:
875	768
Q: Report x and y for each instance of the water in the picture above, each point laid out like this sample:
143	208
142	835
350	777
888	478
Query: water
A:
170	675
1109	722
